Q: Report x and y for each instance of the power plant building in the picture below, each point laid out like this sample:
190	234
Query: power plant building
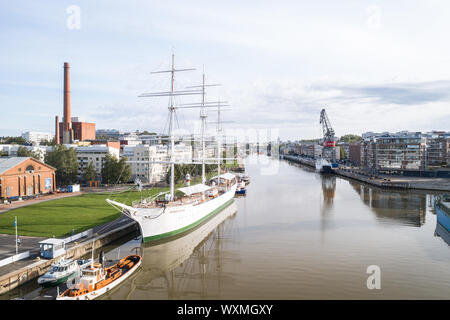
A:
71	128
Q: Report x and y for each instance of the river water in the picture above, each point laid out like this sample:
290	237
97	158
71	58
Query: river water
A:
298	235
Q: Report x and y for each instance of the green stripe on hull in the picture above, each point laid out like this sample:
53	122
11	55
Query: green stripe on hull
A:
193	225
56	282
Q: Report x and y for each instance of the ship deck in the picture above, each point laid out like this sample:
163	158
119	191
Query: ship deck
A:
183	200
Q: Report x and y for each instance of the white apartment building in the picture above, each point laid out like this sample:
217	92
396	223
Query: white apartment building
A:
95	154
10	150
153	172
35	137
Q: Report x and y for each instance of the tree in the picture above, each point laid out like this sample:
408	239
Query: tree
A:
147	133
48	142
65	161
89	173
342	152
350	138
24	152
14	140
114	170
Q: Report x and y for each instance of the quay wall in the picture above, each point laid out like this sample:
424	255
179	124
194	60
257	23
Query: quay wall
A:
36	269
382	181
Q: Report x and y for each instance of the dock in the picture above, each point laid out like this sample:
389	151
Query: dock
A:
382	181
21	272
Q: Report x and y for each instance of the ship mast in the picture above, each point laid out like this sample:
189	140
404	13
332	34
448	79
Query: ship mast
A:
172	93
203	119
219	142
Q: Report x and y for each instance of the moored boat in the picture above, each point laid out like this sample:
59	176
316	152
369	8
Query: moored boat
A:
61	271
240	189
97	280
323	166
442	207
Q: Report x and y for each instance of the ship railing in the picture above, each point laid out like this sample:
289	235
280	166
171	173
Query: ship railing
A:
148	199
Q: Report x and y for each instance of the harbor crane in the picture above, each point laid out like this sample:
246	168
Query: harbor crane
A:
329	140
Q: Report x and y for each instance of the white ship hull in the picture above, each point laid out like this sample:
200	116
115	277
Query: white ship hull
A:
160	223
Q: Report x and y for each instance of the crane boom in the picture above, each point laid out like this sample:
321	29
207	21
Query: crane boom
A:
329	140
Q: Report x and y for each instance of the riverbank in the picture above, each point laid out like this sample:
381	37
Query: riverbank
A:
65	216
383	181
21	272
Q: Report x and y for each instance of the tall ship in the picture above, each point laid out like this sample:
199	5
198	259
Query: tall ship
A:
168	213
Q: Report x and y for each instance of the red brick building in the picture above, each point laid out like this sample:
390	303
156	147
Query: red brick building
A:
25	176
81	131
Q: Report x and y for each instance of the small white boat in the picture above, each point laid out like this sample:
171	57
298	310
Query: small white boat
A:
62	270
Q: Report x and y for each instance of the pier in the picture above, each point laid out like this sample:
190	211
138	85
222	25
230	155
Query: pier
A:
21	272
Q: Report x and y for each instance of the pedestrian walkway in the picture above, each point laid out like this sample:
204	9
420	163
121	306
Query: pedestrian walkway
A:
24	203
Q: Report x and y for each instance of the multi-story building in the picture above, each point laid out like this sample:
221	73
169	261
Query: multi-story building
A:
108	133
150	172
437	149
35	137
310	149
402	151
354	153
95	154
153	172
11	150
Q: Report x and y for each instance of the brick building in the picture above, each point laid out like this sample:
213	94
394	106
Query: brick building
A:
25	176
354	153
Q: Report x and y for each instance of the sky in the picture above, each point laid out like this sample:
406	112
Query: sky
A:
373	65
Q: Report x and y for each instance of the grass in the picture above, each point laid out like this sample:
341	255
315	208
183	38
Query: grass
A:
58	217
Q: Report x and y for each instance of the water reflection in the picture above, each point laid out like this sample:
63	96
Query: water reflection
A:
179	269
395	206
328	190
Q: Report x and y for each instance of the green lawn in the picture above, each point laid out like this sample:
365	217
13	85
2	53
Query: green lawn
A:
58	217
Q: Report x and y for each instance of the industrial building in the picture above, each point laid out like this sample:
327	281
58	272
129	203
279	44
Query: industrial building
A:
71	128
25	176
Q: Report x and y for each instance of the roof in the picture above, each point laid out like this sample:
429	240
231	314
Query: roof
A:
197	188
226	176
52	241
11	162
8	163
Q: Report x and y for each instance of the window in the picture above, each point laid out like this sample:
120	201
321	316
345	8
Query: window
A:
29	168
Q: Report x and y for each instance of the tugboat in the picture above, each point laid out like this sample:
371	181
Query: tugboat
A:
97	280
61	271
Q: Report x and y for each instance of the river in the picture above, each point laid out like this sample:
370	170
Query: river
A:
297	235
